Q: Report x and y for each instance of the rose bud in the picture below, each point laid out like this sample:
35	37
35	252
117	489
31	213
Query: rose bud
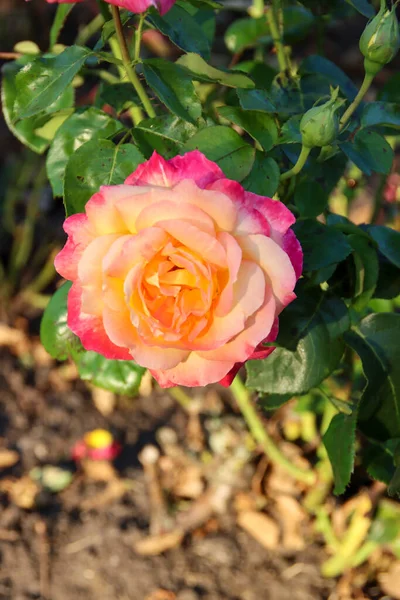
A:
320	125
380	40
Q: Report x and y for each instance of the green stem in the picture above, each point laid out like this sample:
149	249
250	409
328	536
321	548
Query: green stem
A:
301	161
138	37
261	436
277	39
90	29
126	59
180	396
368	79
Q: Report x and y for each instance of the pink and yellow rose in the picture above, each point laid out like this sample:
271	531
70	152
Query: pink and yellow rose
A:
135	6
180	269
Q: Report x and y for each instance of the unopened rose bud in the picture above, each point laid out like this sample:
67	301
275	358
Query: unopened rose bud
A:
380	40
320	125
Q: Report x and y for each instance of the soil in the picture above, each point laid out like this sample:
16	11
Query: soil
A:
89	554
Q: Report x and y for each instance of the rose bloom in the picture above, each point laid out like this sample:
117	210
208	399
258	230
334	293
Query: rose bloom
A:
180	269
135	6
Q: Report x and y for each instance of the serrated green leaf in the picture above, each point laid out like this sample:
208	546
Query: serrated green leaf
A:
225	147
309	346
367	269
388	241
376	341
96	163
263	178
118	376
118	95
182	29
55	334
166	134
363	7
30	131
336	77
382	114
322	245
310	198
339	441
84	125
174	87
255	100
202	71
260	126
43	80
369	151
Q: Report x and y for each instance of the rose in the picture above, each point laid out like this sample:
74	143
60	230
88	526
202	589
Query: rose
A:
135	6
181	270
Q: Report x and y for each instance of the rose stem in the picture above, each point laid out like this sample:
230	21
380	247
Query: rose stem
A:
261	436
126	59
301	161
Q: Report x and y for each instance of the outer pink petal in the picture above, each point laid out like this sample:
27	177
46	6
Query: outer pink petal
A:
90	329
139	6
193	372
192	165
259	353
249	218
80	234
279	217
291	245
166	210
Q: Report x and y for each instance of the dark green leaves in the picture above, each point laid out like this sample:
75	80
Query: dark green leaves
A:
30	131
182	29
42	81
369	151
166	134
260	126
363	7
255	100
202	71
79	128
118	376
388	241
335	76
174	87
96	163
339	441
310	198
55	334
376	341
322	245
310	346
224	146
263	178
381	113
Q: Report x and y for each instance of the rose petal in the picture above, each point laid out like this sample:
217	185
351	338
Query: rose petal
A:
194	371
80	234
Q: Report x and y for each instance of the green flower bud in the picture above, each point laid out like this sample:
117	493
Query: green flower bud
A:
319	126
380	40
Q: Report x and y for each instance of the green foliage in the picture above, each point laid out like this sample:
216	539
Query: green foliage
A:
340	443
81	127
98	162
202	71
174	87
261	127
166	134
62	13
369	151
43	80
309	346
55	334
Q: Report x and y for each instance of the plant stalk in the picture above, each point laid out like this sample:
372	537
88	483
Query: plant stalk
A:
301	161
277	39
366	84
126	59
261	436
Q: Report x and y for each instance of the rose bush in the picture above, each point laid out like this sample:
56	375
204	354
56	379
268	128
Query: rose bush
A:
180	269
135	6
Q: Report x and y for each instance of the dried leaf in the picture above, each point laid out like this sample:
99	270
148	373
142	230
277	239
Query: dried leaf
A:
260	527
157	544
8	458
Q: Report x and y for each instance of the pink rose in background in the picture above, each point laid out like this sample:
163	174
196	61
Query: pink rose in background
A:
135	6
181	270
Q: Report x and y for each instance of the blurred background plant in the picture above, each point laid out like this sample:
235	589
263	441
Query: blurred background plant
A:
80	514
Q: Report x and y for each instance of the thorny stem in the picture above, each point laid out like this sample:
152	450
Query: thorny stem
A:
277	39
126	59
261	436
368	79
301	161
